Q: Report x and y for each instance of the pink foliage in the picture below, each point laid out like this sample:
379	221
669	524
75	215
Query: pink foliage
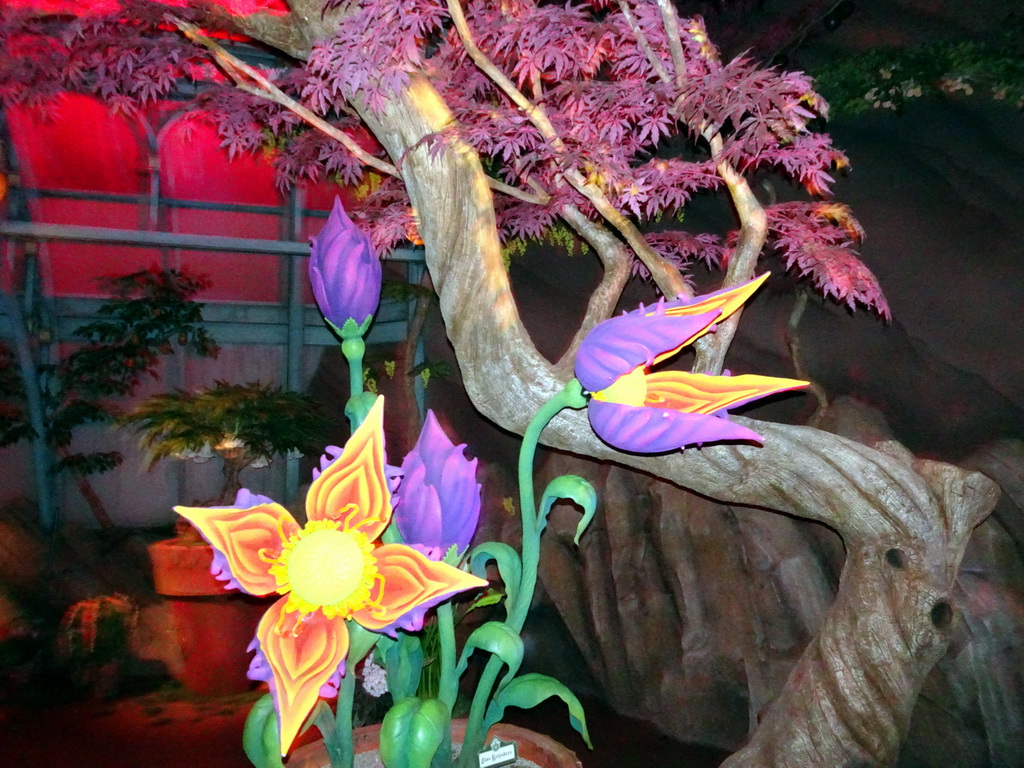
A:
816	240
623	120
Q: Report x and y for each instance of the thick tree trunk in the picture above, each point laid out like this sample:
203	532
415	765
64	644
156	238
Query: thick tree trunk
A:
905	523
848	701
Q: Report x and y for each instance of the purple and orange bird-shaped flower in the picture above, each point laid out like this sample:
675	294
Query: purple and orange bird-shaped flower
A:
640	411
331	570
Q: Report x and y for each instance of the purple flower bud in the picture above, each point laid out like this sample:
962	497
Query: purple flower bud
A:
438	502
344	270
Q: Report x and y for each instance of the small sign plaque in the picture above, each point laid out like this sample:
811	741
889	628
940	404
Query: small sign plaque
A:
498	753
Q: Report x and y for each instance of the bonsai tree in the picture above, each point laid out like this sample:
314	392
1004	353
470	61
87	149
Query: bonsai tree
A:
499	121
243	424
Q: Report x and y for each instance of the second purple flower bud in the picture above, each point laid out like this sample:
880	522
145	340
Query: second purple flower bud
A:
438	502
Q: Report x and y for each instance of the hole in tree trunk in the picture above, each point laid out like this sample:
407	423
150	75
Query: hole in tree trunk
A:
942	614
896	558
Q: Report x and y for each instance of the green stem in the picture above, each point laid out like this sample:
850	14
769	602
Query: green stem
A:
342	747
339	740
448	689
353	348
325	722
571	396
448	680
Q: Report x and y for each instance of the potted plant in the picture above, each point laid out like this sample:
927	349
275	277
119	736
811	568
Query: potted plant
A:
382	545
244	425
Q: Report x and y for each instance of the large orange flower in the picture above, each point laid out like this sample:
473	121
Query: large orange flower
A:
328	571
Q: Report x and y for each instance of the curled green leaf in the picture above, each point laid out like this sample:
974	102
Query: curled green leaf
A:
403	660
530	690
574	488
496	638
260	738
510	565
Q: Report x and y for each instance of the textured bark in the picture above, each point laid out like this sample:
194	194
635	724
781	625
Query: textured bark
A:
850	697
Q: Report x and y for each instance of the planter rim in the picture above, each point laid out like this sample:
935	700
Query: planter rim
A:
533	746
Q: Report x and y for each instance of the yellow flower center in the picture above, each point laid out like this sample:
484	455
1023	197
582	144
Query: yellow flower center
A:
326	568
630	389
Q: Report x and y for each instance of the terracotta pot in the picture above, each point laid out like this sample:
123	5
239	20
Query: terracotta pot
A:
213	627
544	751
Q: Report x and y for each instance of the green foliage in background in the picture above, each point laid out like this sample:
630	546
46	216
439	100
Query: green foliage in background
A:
885	78
149	313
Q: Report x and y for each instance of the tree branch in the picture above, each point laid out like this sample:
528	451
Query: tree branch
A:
668	280
753	232
244	76
670	20
793	342
645	46
603	299
294	33
711	349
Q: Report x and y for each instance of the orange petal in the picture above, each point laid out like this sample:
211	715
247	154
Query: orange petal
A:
727	301
241	535
353	489
302	656
411	581
700	393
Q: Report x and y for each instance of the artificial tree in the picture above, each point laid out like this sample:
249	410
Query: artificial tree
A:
244	424
571	106
149	310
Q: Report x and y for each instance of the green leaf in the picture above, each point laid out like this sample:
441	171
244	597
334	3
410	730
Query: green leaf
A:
403	290
486	598
437	368
574	488
260	737
360	641
499	639
412	731
530	690
510	565
403	660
